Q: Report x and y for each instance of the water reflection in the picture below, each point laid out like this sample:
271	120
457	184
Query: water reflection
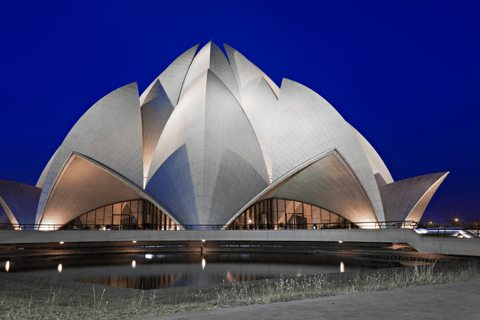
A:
153	271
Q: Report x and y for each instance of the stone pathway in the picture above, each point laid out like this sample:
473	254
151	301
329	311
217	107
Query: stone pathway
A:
458	300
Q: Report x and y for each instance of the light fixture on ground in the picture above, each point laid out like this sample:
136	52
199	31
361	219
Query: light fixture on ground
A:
134	264
61	242
60	268
7	266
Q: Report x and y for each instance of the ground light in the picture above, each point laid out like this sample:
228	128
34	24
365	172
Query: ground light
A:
60	268
134	241
7	266
134	264
61	242
204	263
342	267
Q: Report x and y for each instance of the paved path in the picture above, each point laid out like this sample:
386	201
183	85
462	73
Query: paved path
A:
458	300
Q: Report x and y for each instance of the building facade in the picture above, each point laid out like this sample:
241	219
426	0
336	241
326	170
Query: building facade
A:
213	142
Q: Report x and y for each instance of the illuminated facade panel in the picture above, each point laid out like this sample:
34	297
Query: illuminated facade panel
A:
208	163
207	140
172	78
109	132
19	202
407	199
307	125
211	58
41	180
84	185
380	171
258	101
155	114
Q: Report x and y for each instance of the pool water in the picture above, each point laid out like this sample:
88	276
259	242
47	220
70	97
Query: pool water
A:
153	271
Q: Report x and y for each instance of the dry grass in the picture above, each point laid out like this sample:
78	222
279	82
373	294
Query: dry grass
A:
25	297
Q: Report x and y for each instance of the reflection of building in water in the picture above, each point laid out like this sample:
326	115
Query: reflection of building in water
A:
145	283
239	277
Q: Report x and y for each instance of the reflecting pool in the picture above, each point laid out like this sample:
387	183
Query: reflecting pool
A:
153	271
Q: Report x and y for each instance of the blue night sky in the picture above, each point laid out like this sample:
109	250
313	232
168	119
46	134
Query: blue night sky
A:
405	74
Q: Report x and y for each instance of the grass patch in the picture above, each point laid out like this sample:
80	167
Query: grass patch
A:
27	297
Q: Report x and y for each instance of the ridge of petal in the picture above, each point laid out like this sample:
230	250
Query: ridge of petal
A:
211	58
19	201
173	77
380	170
308	125
208	154
109	132
155	114
84	185
407	199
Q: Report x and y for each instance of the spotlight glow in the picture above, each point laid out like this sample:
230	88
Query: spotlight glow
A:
134	264
204	263
7	266
148	256
60	268
342	267
61	242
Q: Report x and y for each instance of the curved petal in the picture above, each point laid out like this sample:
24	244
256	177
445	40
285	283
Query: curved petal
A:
41	180
258	101
85	184
208	162
380	170
109	132
307	125
325	181
19	200
407	199
155	114
172	78
211	57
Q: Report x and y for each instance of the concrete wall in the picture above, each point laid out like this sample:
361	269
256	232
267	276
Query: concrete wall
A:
436	245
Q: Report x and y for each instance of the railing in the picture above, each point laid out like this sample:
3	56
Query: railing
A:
438	229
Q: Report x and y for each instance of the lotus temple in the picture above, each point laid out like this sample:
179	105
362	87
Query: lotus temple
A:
214	144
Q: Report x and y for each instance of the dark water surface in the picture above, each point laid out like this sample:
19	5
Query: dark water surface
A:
176	270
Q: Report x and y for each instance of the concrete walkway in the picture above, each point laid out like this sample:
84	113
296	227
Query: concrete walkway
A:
458	300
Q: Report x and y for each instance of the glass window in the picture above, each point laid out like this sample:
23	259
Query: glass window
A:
308	210
116	219
108	214
325	216
274	204
134	206
83	219
300	221
334	218
126	208
100	216
140	206
289	206
281	205
308	221
91	217
117	208
298	207
290	220
316	217
281	220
